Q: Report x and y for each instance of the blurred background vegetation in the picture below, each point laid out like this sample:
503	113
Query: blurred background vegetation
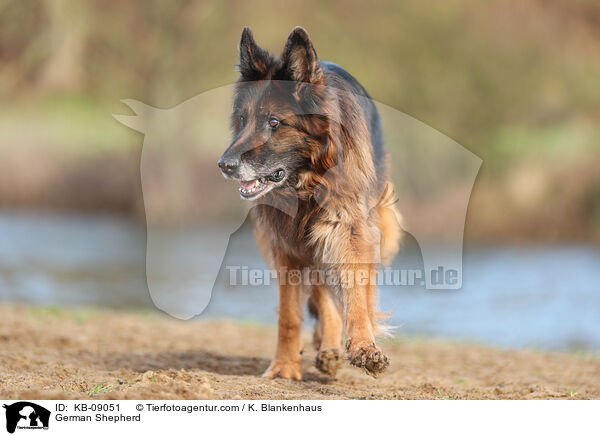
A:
516	82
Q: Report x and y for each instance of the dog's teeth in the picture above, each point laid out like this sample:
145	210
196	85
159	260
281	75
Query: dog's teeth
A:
253	186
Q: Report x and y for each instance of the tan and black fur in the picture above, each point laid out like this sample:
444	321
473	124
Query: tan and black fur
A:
306	133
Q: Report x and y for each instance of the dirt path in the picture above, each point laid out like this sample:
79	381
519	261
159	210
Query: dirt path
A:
60	353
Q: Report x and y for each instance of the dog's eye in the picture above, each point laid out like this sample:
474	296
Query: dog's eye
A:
241	119
274	122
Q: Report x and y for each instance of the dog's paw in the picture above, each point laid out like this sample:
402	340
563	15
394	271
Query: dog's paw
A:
368	357
284	369
328	361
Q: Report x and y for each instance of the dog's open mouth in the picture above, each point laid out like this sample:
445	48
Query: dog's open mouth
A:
252	189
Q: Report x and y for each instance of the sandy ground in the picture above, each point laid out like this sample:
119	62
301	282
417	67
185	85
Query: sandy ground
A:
50	353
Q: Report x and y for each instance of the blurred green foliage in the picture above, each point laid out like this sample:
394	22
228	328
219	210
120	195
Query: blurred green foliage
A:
465	67
513	81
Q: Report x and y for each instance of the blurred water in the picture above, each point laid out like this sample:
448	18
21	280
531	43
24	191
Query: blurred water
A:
546	296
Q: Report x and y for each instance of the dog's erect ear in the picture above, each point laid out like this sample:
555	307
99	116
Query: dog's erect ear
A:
299	59
254	61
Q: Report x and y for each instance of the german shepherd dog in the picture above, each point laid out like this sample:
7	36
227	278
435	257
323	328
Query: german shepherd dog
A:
306	133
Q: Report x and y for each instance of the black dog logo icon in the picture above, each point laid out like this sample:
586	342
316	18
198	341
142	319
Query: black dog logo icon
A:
26	415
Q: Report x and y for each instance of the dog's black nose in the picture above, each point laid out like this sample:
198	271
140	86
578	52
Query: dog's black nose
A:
228	166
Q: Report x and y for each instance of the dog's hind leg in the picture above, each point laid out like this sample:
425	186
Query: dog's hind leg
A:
313	309
388	220
328	330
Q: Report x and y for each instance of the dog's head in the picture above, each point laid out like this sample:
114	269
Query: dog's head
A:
279	118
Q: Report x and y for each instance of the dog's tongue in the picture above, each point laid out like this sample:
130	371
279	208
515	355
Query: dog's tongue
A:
249	184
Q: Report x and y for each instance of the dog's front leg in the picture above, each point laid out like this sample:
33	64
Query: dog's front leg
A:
361	347
354	262
288	358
